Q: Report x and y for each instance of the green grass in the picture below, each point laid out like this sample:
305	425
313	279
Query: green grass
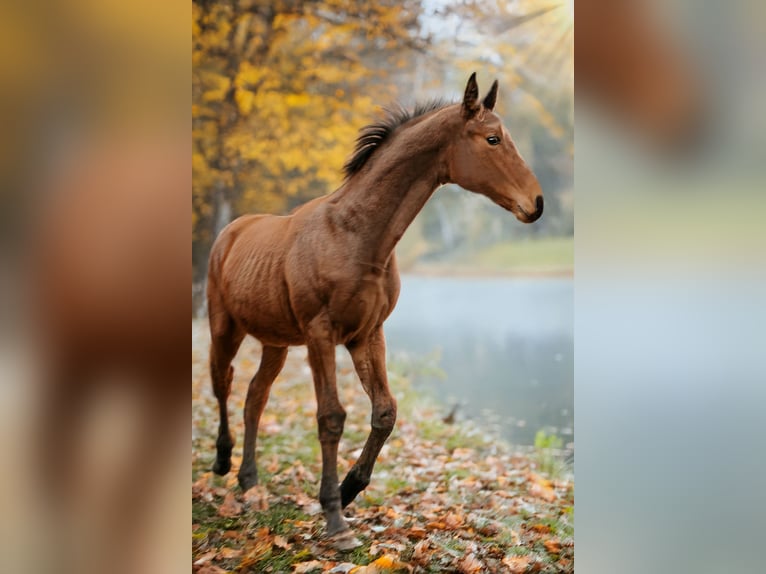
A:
279	518
523	256
544	254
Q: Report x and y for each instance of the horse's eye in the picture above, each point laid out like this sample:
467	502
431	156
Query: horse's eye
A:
493	140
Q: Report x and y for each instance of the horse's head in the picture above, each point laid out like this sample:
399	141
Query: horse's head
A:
484	159
631	66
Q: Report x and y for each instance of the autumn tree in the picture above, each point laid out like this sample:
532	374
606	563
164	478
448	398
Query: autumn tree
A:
279	90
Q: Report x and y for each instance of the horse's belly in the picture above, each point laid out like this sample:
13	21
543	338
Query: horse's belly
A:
257	299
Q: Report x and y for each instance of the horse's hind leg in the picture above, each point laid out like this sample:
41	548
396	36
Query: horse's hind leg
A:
225	338
272	361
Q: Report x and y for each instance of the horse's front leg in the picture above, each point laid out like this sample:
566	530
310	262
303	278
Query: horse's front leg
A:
369	358
330	418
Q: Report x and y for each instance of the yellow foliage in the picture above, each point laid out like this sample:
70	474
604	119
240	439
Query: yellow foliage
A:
244	99
219	85
297	73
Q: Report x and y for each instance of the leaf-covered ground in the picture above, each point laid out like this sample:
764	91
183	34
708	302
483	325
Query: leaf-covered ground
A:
443	497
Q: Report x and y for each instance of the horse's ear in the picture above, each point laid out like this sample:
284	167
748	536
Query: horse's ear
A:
471	97
491	97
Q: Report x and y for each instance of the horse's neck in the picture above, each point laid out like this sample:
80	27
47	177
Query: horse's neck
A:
378	204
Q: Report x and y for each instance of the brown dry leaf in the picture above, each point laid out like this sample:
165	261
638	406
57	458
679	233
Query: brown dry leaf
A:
421	553
206	557
517	564
273	465
309	505
541	528
542	491
280	542
469	564
454	520
553	546
232	535
304	567
257	498
436	525
417	532
257	548
534	477
200	485
230	507
210	569
227	552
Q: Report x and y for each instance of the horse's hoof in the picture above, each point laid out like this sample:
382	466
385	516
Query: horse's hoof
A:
344	540
247	481
221	467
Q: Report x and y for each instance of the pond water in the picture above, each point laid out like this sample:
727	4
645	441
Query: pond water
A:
504	344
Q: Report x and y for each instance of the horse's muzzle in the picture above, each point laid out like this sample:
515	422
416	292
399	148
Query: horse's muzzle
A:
535	215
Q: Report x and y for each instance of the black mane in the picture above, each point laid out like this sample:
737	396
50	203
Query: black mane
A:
372	136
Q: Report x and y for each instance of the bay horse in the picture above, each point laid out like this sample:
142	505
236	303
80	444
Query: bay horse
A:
326	274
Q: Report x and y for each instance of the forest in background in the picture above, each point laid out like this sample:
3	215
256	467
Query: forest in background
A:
280	89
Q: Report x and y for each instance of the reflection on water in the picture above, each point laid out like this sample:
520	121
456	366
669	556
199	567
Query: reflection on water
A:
505	345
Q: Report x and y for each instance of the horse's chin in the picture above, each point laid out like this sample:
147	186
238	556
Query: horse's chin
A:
524	217
520	214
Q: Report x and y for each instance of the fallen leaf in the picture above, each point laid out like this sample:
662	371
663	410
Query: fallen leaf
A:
420	553
304	567
454	520
200	485
227	553
280	542
256	549
230	507
469	564
210	569
437	525
386	561
542	491
517	564
257	498
206	557
553	546
342	568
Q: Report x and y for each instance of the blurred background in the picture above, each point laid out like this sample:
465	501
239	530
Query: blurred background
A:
669	295
279	92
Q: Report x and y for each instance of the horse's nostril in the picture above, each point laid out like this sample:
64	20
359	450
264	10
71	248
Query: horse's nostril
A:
539	204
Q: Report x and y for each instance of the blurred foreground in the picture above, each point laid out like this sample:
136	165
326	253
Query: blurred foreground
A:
669	296
95	270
